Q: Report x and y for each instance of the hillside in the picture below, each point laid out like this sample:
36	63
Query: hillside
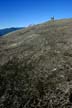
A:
8	30
36	66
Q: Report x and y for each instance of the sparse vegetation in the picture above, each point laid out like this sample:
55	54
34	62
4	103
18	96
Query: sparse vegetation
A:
37	73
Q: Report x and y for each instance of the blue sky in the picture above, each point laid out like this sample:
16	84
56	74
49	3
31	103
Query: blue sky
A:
18	13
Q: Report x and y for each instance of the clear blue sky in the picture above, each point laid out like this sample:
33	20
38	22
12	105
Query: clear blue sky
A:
17	13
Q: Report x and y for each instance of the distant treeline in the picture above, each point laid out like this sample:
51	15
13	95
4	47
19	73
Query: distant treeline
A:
8	30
